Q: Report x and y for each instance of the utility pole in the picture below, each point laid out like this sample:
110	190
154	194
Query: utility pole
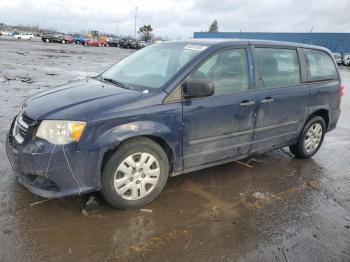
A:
117	27
135	21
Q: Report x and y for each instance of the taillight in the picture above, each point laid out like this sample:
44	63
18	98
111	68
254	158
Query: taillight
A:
341	91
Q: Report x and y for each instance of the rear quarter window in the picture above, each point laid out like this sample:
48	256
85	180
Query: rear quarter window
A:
319	65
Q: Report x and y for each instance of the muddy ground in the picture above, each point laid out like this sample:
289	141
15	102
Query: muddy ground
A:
276	208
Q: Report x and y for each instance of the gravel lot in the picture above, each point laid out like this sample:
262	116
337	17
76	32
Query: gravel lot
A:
276	208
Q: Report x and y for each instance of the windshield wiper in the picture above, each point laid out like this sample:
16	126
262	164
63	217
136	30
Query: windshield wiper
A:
117	83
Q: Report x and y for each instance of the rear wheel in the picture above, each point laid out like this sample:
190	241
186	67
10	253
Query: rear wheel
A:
310	139
47	40
63	41
135	174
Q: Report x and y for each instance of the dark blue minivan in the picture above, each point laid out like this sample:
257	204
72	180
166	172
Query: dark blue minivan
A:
173	108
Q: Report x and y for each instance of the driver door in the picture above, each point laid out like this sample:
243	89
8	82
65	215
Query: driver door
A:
221	126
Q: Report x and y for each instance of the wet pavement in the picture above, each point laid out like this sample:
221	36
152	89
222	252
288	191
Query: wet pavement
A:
272	207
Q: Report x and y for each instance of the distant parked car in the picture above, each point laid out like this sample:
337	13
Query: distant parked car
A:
123	43
54	38
6	33
144	44
129	43
338	58
96	42
113	42
346	59
25	36
80	40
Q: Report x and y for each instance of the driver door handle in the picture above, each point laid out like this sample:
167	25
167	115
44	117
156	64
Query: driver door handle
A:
267	100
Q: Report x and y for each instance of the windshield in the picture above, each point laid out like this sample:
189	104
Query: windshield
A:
151	67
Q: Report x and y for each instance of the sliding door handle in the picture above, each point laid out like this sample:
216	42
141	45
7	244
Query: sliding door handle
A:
247	103
267	100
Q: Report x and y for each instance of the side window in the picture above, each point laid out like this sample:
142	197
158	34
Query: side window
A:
277	67
227	69
320	66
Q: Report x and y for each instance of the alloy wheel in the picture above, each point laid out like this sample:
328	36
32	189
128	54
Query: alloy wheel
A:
313	138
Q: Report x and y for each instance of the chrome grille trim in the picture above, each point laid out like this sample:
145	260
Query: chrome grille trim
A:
20	129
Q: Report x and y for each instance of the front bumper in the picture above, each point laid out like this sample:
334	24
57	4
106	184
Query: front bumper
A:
54	171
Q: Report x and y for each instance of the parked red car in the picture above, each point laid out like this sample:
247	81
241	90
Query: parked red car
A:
96	42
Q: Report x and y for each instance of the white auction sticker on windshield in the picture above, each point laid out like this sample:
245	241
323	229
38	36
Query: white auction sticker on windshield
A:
195	47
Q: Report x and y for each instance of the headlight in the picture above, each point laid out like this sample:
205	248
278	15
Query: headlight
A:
60	132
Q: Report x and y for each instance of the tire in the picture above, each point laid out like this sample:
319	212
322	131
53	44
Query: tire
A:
63	42
47	40
310	131
152	179
78	42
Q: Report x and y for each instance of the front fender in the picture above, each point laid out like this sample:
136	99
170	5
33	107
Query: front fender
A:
114	136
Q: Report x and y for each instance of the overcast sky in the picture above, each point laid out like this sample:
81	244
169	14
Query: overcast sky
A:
179	19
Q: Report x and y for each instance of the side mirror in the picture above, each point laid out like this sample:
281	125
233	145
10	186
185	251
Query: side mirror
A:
198	88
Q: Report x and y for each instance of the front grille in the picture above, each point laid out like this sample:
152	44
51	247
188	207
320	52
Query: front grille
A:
26	119
21	130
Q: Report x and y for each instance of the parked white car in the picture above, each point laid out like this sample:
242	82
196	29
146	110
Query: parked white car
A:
25	36
338	58
6	33
346	60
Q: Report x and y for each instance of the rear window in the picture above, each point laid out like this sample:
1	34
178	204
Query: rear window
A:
277	67
320	66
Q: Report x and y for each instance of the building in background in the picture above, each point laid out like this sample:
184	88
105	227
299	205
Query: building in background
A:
336	42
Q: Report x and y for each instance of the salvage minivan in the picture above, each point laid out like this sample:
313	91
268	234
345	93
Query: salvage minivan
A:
173	108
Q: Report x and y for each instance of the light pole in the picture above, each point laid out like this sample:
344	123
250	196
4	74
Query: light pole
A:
135	21
117	23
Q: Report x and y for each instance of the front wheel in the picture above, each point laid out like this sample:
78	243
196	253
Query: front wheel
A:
310	139
135	174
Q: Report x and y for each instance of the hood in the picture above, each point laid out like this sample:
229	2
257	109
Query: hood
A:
77	100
